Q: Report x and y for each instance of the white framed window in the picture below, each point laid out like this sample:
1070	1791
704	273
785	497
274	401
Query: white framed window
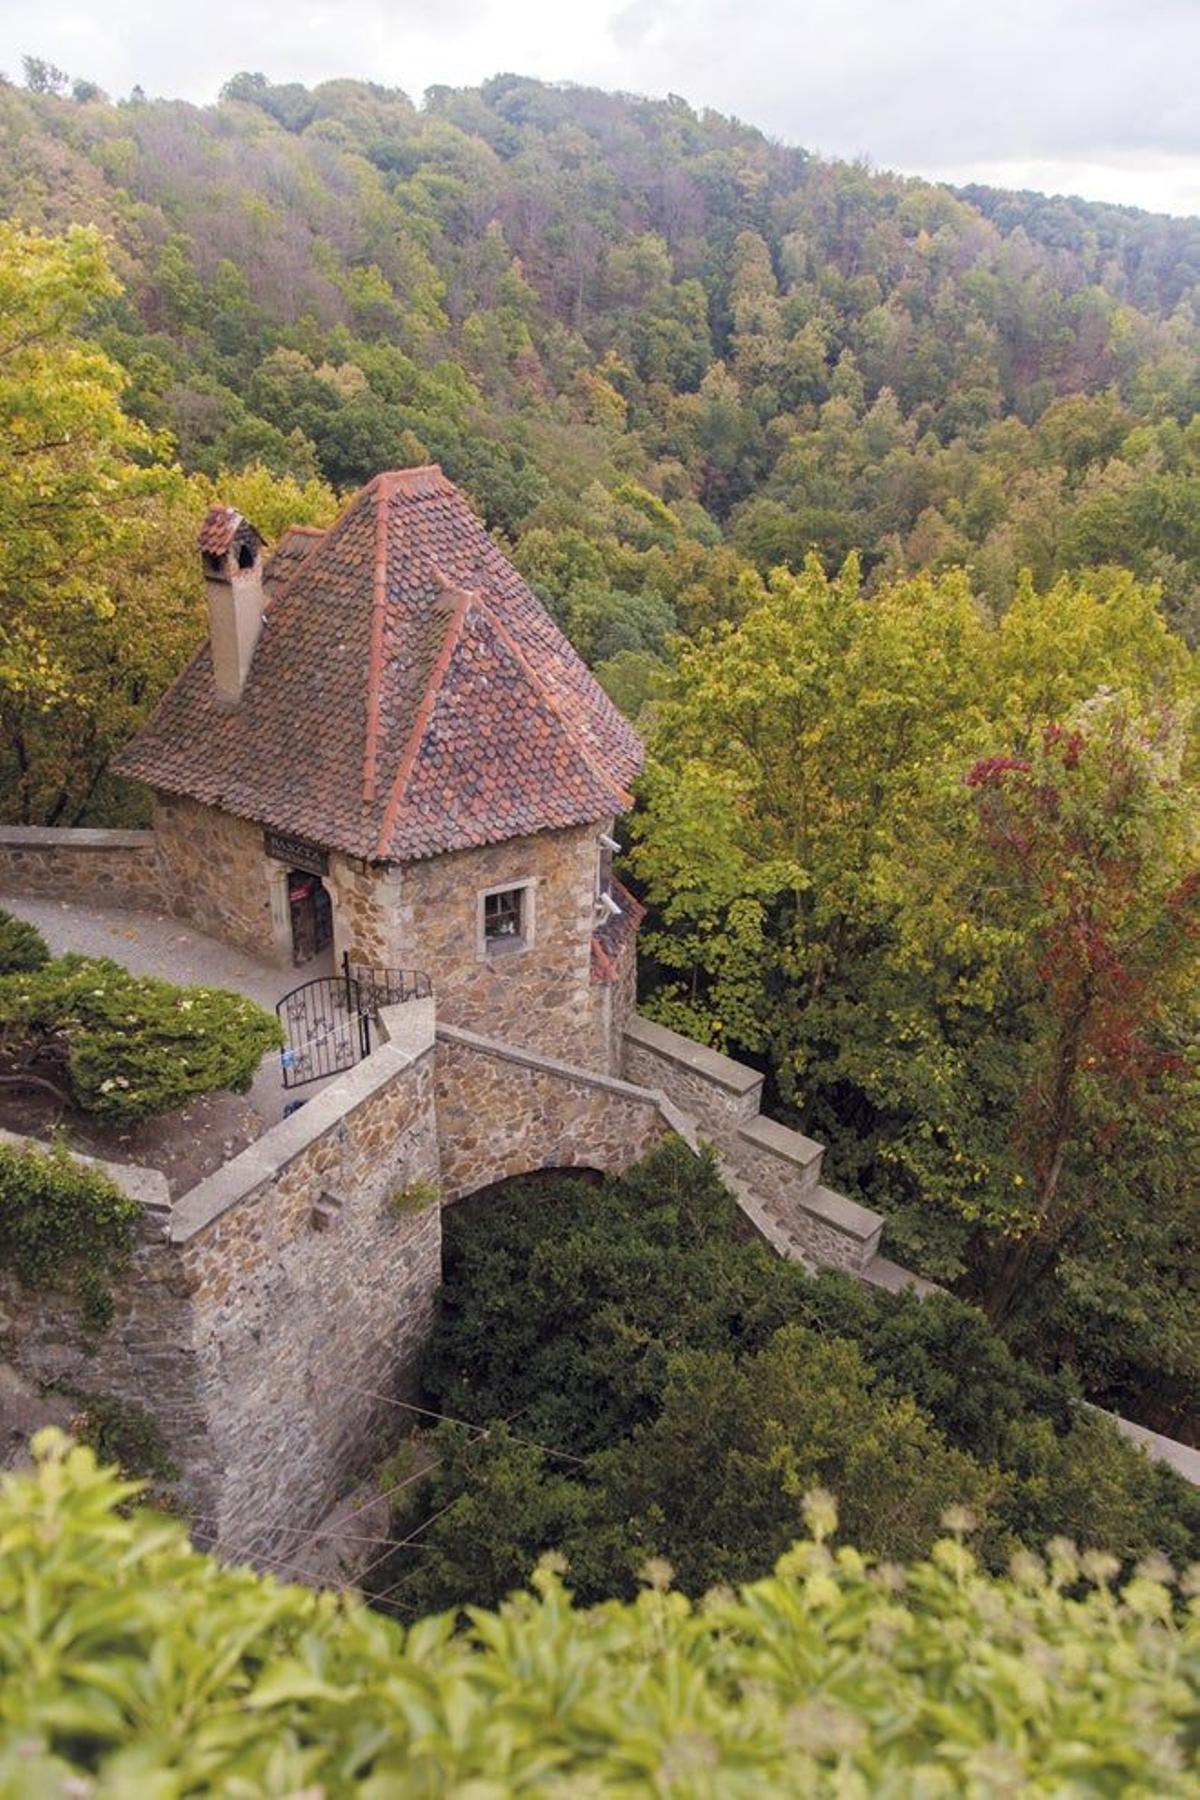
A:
505	920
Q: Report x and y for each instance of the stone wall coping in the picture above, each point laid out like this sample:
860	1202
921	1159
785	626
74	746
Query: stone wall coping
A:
550	1065
147	1186
410	1026
847	1216
681	1123
781	1140
51	837
713	1065
269	1155
880	1272
1183	1458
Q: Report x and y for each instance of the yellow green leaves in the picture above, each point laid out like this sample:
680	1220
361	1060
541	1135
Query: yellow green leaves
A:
826	888
72	465
130	1663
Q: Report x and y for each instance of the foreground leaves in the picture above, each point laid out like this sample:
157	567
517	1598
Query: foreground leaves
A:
133	1662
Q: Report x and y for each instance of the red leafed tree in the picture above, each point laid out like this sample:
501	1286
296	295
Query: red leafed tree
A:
1086	850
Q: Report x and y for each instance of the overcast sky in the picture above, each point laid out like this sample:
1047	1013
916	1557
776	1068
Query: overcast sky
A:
1095	97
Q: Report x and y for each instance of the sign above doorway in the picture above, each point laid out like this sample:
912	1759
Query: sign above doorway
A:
296	852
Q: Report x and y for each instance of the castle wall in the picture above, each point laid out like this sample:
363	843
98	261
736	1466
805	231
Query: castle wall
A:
312	1262
272	1313
101	868
541	998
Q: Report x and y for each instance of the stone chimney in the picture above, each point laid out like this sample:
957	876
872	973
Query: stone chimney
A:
231	558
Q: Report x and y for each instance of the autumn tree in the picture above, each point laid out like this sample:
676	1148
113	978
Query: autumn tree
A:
100	598
1052	914
826	897
73	480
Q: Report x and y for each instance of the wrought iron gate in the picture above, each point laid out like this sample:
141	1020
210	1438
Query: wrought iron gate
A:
326	1029
327	1022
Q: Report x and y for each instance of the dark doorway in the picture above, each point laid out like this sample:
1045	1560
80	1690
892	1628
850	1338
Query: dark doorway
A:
312	915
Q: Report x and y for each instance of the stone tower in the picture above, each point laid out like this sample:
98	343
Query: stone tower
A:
395	754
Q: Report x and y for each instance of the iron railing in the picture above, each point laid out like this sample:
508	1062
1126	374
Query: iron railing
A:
385	987
325	1030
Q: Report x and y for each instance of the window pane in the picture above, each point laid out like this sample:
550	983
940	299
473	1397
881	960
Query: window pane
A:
502	915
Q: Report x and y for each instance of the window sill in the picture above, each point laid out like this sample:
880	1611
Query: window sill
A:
498	949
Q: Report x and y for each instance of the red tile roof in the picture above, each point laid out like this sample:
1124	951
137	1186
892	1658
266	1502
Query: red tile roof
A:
610	939
289	552
409	695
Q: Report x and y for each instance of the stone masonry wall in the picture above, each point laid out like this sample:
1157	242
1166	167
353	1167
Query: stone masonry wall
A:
218	876
113	868
273	1312
775	1172
366	913
312	1288
503	1112
146	1355
542	998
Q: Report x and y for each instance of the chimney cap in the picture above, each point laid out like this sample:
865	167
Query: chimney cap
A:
222	530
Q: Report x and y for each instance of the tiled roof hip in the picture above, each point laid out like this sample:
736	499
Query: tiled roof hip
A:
409	694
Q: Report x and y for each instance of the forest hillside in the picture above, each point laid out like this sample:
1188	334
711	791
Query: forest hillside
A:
877	505
655	346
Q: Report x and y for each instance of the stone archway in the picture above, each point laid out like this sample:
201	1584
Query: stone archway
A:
504	1112
530	1178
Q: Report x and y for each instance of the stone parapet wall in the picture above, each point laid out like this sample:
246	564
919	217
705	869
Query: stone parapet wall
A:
113	868
504	1111
721	1093
775	1172
312	1262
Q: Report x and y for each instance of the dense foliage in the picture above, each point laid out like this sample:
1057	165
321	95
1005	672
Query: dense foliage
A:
130	1663
938	870
64	1225
642	1381
662	354
126	1047
98	587
22	945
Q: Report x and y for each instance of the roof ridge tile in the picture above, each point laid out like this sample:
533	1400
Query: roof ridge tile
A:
424	713
552	702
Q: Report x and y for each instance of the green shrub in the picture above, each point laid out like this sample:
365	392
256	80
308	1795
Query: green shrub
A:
22	945
632	1328
64	1225
122	1432
127	1047
132	1664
